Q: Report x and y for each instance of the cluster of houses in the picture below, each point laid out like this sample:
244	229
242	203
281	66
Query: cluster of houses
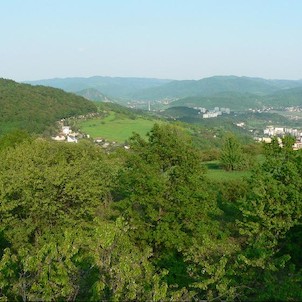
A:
66	134
294	109
212	113
279	132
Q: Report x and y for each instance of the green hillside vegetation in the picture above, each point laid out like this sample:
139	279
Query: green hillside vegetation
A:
224	123
287	97
216	173
150	223
93	94
181	112
255	121
36	109
111	106
259	121
243	101
233	100
117	125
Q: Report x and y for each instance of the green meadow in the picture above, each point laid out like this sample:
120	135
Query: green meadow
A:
216	173
116	127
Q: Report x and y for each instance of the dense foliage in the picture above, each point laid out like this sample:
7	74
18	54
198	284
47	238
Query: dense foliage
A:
36	109
79	224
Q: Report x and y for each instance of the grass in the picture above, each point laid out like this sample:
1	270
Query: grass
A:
116	127
215	172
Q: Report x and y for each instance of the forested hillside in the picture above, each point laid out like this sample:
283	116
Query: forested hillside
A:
234	100
148	224
243	101
36	108
93	95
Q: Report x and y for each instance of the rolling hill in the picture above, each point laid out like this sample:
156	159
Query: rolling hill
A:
242	101
287	97
156	89
93	94
234	100
36	108
215	85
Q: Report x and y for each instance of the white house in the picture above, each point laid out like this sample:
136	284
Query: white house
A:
66	130
72	139
59	138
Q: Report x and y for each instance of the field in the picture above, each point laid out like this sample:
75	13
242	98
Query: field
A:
116	127
214	172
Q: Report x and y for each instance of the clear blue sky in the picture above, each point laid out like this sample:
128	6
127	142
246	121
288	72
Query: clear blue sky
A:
180	39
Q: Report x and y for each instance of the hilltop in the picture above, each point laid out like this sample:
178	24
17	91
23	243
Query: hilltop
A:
93	94
37	108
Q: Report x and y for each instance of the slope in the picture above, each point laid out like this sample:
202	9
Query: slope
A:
93	94
244	101
35	109
233	100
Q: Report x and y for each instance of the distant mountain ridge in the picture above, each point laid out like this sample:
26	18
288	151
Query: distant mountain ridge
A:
218	84
117	87
155	89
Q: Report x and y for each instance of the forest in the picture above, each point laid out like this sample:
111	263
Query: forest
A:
79	223
36	109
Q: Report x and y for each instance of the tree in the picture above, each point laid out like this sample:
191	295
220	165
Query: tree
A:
231	154
165	198
271	211
13	138
47	188
56	243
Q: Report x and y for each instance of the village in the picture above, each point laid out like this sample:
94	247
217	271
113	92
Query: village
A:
212	113
66	134
279	132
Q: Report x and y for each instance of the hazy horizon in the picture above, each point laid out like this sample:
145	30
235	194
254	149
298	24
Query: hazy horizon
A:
177	40
138	77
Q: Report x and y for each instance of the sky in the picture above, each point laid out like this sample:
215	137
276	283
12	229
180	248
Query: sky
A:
167	39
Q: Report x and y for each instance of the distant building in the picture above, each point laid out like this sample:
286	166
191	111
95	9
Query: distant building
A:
240	124
72	139
66	130
225	110
297	146
210	115
59	138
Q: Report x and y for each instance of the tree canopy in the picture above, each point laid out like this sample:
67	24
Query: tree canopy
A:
147	224
37	108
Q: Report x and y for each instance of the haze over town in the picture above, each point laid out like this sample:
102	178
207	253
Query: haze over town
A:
161	39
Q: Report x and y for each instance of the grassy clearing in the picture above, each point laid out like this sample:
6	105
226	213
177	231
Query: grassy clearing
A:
214	172
116	127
